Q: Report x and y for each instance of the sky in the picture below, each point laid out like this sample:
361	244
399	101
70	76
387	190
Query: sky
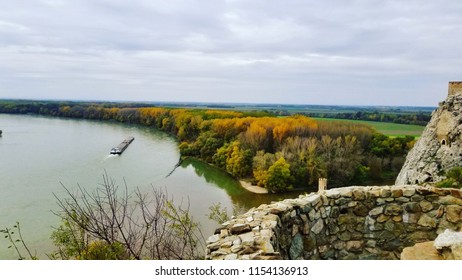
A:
331	52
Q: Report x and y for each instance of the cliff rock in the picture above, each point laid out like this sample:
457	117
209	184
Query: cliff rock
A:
440	147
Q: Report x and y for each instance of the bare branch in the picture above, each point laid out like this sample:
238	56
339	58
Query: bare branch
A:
148	226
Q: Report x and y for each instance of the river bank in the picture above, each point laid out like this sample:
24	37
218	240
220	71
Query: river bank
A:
252	188
244	184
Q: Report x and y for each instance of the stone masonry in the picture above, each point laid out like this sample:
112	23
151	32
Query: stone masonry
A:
344	223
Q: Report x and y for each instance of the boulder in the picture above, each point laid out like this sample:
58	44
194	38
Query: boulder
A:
449	244
421	251
447	239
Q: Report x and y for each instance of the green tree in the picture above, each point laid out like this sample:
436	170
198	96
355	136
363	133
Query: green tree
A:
239	161
70	240
210	148
219	158
187	149
279	178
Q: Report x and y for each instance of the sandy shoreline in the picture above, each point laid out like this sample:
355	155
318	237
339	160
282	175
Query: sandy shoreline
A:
251	188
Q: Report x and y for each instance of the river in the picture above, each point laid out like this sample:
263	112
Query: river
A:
38	155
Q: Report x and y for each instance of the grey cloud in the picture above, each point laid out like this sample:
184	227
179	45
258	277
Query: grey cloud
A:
295	51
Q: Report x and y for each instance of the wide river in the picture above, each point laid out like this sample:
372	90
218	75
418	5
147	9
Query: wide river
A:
39	155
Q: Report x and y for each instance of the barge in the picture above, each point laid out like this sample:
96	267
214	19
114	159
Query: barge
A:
122	146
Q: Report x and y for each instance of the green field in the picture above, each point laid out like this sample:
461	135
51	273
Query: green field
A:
389	129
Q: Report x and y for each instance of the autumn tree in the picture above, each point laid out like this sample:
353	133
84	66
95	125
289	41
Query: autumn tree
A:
256	137
261	163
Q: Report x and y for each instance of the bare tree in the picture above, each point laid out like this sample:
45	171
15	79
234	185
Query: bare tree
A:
131	225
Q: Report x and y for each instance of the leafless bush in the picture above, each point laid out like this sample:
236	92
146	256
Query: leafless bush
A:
142	226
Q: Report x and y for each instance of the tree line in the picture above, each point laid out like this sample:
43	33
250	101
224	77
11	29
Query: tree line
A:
418	118
278	153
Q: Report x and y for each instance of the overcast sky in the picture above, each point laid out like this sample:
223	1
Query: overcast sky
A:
365	52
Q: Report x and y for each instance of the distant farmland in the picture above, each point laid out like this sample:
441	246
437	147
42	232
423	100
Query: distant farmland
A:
389	129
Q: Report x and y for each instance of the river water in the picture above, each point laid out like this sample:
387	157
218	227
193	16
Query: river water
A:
39	155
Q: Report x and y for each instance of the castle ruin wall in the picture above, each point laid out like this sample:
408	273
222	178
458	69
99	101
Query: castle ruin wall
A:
344	223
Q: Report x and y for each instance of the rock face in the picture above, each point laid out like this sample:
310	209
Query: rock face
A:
440	147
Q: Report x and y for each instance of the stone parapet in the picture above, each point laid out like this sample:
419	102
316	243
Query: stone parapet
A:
343	223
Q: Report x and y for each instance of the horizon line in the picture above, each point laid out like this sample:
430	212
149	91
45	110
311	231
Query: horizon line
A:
214	103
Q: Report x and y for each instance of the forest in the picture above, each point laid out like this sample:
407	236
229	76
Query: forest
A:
279	153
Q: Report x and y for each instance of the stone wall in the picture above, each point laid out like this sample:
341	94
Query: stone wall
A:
343	223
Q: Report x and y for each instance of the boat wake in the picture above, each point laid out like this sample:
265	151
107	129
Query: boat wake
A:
109	156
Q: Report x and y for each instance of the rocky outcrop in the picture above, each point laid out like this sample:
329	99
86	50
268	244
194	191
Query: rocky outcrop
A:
440	147
421	251
343	223
447	246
